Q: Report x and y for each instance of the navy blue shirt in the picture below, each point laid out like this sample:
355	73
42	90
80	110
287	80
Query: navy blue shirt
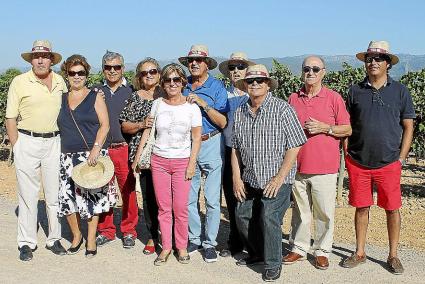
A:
376	119
214	94
87	120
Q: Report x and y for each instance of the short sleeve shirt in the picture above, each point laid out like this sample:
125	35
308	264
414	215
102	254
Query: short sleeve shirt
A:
235	100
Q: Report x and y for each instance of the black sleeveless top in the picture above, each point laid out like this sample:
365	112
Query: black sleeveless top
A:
87	120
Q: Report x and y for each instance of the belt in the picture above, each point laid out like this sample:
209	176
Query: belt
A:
36	134
117	145
209	135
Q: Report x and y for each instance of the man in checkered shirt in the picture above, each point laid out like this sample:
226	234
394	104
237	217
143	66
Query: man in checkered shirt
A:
266	141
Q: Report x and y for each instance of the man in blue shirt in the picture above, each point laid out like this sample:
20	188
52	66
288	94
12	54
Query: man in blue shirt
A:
211	96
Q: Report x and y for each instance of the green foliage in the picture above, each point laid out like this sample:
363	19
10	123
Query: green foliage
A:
225	80
5	80
288	83
340	81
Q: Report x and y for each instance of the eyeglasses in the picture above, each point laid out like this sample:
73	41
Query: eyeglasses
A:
81	73
259	80
151	72
197	59
109	67
45	55
316	69
176	80
377	58
239	67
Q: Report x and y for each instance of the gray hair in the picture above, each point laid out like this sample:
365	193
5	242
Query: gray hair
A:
314	56
110	55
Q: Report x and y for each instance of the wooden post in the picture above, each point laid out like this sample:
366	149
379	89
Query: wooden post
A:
340	178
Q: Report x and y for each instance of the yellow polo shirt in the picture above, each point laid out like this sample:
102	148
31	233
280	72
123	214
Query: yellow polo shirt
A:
37	107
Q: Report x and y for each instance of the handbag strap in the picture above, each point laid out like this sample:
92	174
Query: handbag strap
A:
76	125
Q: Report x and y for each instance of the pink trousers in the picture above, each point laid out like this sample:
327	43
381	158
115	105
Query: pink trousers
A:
172	194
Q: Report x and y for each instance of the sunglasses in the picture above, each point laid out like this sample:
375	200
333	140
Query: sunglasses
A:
151	72
81	73
377	58
197	59
316	69
109	67
176	80
233	67
259	80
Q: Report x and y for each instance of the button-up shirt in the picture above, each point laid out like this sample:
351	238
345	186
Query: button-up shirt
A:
262	138
235	100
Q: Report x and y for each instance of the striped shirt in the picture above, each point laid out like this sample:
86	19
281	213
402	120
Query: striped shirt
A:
263	138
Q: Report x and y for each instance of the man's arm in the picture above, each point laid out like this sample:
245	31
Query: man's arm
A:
314	126
238	185
12	130
406	140
129	127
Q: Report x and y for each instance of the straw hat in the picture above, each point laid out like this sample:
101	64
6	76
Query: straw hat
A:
236	57
88	177
199	51
257	71
42	46
378	47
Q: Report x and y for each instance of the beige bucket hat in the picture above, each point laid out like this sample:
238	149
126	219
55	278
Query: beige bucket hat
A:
236	57
199	51
42	46
257	71
88	177
378	47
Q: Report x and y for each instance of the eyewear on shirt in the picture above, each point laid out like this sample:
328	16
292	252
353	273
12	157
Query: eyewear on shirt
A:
233	67
109	67
81	73
151	72
377	58
197	59
176	80
316	69
259	80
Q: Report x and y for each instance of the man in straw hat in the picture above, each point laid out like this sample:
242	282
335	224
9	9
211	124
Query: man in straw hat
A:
211	96
266	139
33	105
325	119
234	69
382	114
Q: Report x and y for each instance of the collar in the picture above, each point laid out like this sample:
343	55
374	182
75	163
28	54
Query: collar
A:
123	82
320	94
366	82
206	84
265	103
231	89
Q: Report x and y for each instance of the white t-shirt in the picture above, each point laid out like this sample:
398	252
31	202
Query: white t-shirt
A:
173	128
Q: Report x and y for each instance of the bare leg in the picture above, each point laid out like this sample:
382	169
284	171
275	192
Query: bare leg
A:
74	223
361	221
393	226
91	234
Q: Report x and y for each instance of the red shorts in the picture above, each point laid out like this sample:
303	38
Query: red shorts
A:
386	179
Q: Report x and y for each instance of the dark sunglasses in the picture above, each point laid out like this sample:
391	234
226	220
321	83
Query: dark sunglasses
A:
377	58
232	67
197	59
151	72
81	73
176	80
259	80
316	69
109	67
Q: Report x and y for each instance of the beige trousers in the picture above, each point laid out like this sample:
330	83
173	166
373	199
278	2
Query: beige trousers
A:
37	159
314	197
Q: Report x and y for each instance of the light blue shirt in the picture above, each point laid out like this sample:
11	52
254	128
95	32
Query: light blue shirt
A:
234	100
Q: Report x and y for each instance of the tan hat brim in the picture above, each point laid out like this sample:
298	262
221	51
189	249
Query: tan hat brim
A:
224	66
101	179
211	62
273	84
362	55
27	56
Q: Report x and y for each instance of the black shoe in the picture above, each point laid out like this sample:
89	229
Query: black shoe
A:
101	240
229	252
91	253
250	261
128	241
57	248
210	255
270	275
74	250
25	253
191	248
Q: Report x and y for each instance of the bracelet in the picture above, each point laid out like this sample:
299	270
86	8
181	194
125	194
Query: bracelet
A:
207	108
97	144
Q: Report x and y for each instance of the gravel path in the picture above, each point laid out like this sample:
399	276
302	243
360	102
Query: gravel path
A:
113	264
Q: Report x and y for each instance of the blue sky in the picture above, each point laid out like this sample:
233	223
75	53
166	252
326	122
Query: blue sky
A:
166	29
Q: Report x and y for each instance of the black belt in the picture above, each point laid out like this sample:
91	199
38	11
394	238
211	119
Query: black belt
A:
42	135
209	135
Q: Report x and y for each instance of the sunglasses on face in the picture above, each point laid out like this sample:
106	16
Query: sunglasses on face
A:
176	80
151	72
42	55
378	58
316	69
109	67
81	73
197	59
233	67
259	80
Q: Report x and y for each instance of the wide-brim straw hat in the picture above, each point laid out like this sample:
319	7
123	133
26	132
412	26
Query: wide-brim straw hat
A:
199	51
42	46
89	177
257	71
378	47
236	57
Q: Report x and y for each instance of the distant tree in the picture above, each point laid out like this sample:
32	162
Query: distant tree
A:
340	81
288	83
5	80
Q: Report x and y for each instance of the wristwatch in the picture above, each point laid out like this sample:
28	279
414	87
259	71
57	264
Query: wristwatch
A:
330	131
207	108
97	144
402	161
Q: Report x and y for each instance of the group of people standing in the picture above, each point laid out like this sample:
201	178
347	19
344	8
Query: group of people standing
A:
259	148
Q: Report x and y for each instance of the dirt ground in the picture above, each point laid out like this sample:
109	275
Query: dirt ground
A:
413	210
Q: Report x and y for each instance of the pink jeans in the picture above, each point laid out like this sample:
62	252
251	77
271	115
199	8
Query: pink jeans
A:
172	194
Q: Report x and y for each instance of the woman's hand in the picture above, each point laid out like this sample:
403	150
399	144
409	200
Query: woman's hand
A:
94	154
147	122
190	172
100	92
135	168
